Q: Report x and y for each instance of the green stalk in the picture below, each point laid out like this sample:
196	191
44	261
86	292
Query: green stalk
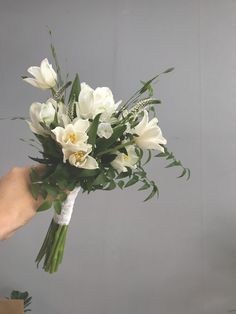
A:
53	246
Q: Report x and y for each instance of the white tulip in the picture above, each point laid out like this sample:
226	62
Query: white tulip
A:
92	102
124	161
85	106
72	135
104	103
81	159
44	76
78	156
149	134
104	130
42	113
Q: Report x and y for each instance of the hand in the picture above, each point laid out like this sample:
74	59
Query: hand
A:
17	205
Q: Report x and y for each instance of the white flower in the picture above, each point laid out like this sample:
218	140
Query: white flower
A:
85	106
81	158
78	156
44	76
149	134
104	103
42	113
124	161
72	135
92	102
104	130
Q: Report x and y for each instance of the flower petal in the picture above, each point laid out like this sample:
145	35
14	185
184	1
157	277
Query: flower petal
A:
48	74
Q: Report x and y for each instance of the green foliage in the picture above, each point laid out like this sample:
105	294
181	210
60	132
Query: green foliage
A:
17	295
174	163
75	90
56	63
92	132
105	144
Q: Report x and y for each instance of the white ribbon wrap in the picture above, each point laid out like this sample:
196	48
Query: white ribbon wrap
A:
67	209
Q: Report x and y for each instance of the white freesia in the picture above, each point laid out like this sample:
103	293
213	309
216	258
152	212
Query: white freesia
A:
104	130
72	135
42	113
92	102
44	77
149	134
124	161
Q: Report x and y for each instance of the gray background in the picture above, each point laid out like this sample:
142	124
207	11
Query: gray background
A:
175	255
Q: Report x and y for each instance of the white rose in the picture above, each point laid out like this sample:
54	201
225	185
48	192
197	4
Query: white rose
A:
104	130
44	76
42	113
124	161
149	134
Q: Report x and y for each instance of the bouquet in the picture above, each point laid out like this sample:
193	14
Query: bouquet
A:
89	142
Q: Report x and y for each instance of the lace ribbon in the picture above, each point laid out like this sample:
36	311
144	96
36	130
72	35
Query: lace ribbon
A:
67	208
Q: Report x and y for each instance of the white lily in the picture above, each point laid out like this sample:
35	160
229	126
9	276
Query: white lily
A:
73	134
105	130
92	102
124	161
149	134
44	77
42	113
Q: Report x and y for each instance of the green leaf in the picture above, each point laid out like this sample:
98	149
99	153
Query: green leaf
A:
57	206
87	173
132	181
149	157
169	70
144	187
121	184
35	189
125	174
34	175
173	164
62	196
111	186
101	179
106	143
45	206
92	132
188	173
54	55
183	173
51	190
153	192
75	90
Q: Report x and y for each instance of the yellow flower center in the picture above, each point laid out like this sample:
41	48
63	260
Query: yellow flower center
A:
79	155
126	157
72	137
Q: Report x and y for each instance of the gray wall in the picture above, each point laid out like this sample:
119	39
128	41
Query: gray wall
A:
175	255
